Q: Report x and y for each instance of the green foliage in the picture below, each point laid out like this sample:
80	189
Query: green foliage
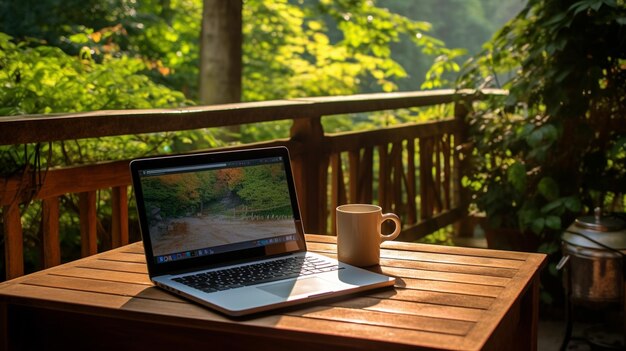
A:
43	79
39	79
442	236
308	49
294	49
82	55
163	33
548	150
463	24
328	48
166	34
290	50
54	21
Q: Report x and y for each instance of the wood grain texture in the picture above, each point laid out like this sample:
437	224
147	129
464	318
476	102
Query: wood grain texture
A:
87	214
52	127
119	216
50	232
13	241
444	298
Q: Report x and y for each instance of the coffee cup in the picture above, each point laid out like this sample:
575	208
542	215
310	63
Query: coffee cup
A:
359	233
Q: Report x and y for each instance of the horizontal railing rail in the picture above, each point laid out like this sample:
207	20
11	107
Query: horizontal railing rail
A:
412	169
55	127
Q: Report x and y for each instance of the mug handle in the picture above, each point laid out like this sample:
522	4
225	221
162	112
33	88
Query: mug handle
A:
393	217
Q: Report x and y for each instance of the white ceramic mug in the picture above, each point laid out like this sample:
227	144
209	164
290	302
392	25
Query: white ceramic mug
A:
359	233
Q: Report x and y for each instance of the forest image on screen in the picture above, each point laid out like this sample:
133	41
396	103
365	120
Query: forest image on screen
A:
188	211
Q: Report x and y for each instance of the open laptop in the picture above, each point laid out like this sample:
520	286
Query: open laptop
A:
224	229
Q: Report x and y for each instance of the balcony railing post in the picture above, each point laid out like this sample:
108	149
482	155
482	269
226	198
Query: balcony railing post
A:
463	148
119	218
88	231
310	168
51	244
13	241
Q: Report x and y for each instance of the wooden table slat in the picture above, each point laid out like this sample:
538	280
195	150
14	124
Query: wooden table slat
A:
450	287
433	257
100	274
449	267
381	318
446	276
437	298
442	249
412	308
118	266
102	286
125	257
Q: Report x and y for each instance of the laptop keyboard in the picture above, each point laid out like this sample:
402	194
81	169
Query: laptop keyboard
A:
258	273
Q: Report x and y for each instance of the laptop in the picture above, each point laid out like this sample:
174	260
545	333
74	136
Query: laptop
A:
224	229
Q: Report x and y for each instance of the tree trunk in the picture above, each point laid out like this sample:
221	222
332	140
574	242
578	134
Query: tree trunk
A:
220	52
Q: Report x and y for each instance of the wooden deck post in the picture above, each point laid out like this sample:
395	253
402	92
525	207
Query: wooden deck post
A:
88	233
338	190
51	244
410	182
383	177
462	150
13	241
119	232
310	167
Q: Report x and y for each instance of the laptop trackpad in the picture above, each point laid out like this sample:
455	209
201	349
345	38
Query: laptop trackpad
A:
307	286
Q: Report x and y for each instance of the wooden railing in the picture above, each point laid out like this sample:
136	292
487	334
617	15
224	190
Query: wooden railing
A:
418	166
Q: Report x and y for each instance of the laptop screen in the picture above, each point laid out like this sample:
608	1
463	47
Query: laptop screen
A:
208	209
213	208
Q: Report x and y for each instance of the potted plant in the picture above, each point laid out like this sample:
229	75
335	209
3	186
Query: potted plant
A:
515	180
556	145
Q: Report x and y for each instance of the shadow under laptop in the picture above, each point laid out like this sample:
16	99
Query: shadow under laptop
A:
327	308
171	307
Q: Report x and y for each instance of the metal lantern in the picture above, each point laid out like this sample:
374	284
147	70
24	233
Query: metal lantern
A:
594	249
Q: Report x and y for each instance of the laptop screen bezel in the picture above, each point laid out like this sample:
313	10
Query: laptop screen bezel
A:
210	261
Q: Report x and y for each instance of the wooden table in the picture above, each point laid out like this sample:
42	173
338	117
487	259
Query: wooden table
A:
445	298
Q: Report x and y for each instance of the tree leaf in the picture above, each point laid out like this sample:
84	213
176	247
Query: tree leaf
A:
516	174
552	206
537	225
553	222
572	204
548	188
